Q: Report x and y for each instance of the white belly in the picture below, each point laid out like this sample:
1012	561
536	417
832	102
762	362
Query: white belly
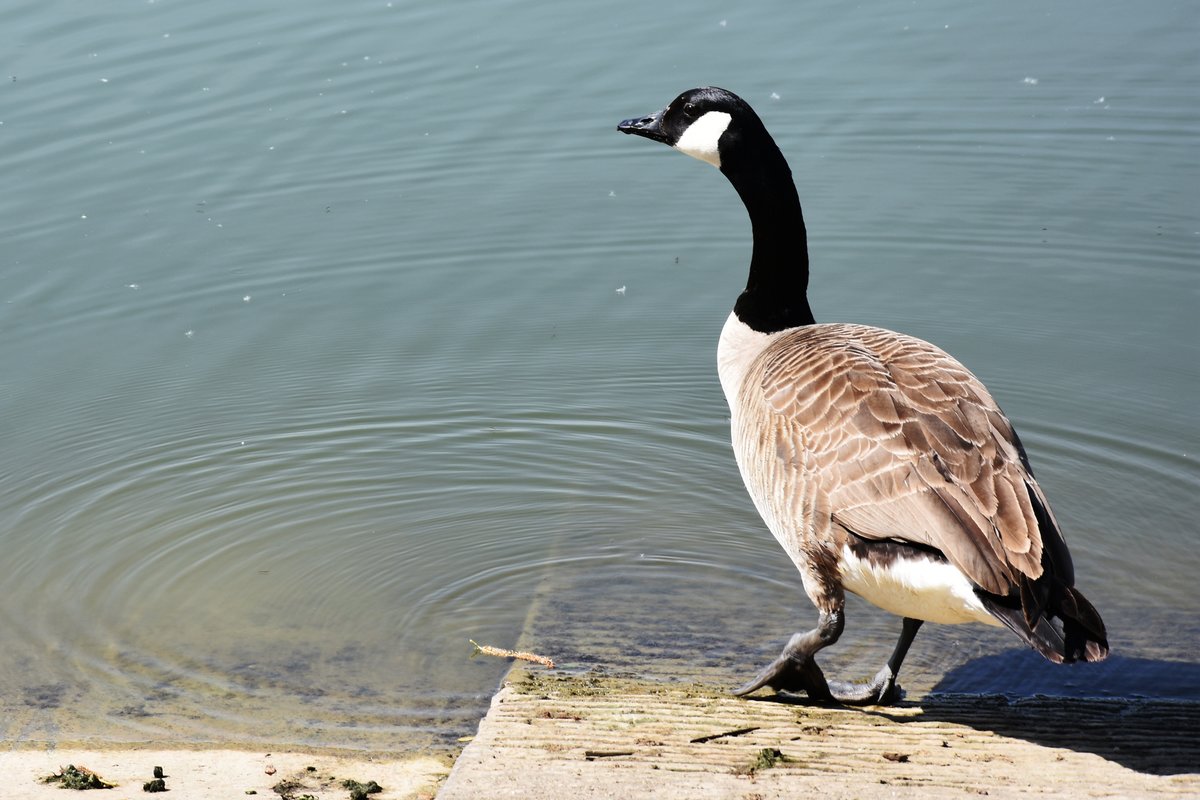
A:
921	588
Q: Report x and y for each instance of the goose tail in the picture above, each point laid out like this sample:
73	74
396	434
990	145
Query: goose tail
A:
1048	612
1060	623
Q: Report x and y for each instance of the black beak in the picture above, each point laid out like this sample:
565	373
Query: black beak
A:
650	127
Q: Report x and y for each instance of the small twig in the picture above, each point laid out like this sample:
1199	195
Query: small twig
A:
714	736
488	650
592	755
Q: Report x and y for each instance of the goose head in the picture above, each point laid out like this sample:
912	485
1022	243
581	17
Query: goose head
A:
708	123
720	128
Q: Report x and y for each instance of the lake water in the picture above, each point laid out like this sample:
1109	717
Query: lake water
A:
333	336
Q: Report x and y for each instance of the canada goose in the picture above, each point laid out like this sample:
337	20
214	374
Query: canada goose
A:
880	463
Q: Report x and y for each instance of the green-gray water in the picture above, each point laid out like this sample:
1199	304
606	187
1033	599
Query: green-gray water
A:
313	363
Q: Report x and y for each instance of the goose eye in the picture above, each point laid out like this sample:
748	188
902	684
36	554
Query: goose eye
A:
689	108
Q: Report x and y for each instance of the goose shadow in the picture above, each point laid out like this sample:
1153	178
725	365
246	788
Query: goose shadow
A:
1141	713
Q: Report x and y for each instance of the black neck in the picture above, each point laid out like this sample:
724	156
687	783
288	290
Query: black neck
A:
776	295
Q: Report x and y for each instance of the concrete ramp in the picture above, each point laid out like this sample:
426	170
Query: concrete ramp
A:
594	736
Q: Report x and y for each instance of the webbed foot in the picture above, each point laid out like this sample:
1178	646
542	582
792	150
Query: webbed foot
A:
795	670
881	691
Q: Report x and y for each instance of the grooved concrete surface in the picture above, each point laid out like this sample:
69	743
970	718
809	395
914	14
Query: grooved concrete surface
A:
550	737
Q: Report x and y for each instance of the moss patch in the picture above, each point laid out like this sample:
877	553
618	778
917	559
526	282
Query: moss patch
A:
764	759
79	778
359	791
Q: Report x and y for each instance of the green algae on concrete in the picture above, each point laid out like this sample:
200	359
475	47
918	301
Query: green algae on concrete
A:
765	759
78	778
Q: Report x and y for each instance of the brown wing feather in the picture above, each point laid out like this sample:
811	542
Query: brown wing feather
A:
905	444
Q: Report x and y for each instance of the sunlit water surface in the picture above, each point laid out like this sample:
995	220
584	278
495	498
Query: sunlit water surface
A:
333	336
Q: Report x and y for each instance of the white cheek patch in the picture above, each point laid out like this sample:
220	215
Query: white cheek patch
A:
701	137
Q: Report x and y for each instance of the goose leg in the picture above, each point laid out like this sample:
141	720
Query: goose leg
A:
796	668
883	688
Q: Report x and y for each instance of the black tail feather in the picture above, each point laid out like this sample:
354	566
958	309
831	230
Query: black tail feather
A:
1065	629
1084	629
1048	612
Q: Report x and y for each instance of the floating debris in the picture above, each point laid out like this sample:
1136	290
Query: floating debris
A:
488	650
